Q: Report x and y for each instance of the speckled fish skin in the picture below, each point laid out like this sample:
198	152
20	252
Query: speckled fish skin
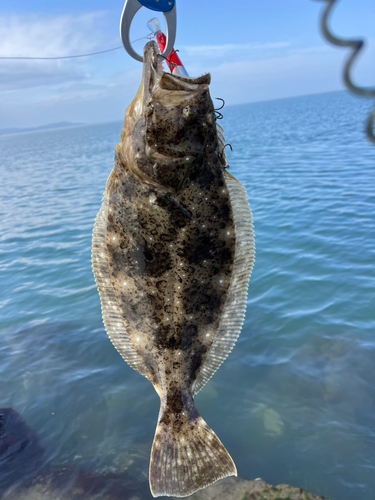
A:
172	255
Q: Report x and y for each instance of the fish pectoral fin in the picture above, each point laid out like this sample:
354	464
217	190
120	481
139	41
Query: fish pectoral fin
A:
182	209
233	179
187	456
123	160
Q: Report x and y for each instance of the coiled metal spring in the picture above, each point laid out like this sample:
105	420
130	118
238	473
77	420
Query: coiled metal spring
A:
356	46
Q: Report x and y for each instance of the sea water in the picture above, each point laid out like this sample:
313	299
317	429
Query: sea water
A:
295	400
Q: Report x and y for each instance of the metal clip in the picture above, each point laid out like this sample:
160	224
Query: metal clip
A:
131	7
356	46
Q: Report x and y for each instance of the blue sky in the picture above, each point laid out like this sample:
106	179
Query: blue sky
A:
254	50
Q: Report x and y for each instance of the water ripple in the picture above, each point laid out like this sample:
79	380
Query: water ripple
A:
295	401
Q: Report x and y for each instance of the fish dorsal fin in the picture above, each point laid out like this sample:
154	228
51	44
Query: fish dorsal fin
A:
220	133
235	305
111	313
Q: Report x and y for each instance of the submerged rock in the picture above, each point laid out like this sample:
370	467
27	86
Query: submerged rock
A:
272	423
233	488
23	478
71	484
20	450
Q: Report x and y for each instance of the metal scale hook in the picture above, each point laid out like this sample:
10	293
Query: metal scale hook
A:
131	7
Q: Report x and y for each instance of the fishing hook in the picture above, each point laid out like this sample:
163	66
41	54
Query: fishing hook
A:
356	46
169	63
222	154
220	99
168	59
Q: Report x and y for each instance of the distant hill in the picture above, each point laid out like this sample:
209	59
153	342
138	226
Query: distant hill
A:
14	130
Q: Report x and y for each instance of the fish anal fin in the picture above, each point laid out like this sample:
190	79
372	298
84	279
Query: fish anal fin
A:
235	305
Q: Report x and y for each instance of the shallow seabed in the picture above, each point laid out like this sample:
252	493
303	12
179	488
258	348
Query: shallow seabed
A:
295	401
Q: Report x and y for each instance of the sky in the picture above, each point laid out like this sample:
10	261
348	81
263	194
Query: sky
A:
254	50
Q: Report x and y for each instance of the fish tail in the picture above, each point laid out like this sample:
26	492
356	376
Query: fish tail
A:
186	456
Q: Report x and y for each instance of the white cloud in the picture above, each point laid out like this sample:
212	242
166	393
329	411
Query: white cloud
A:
94	90
225	50
43	36
48	36
298	72
15	75
90	101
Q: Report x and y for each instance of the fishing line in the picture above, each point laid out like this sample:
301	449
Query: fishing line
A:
149	36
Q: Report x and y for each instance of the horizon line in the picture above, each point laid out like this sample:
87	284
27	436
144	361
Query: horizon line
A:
46	127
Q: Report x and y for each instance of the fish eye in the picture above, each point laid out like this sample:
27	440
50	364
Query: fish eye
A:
186	111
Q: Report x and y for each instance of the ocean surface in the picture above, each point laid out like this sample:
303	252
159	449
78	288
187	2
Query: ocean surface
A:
295	400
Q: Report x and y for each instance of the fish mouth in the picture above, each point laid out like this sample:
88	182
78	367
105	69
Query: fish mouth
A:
155	78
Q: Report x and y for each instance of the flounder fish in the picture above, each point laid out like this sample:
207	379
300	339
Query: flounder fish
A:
172	254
